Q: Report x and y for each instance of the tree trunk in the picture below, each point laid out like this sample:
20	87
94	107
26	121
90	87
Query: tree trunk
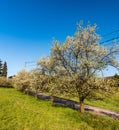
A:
36	93
52	99
82	110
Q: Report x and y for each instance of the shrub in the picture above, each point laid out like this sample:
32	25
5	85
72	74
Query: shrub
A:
22	80
5	82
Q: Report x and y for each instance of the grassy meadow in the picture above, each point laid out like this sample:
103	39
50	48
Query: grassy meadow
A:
22	112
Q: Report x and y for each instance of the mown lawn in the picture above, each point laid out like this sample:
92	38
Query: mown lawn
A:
23	112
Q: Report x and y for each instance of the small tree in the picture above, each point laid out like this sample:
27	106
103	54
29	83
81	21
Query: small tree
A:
4	70
38	81
51	84
22	80
0	68
78	61
116	78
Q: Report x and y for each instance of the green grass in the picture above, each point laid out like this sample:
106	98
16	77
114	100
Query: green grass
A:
23	112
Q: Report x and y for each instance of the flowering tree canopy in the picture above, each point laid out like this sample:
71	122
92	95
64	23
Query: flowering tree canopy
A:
76	64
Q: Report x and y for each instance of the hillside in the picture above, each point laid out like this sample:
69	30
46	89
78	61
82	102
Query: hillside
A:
23	112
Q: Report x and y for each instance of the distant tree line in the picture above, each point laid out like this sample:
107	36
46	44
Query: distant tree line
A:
3	69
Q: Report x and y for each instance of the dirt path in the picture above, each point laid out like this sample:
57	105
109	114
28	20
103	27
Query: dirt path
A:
102	111
75	105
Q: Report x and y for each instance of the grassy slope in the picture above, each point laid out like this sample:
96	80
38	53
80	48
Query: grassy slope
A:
22	112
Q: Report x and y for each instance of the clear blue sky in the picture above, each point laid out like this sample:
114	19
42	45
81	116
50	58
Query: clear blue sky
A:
28	26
